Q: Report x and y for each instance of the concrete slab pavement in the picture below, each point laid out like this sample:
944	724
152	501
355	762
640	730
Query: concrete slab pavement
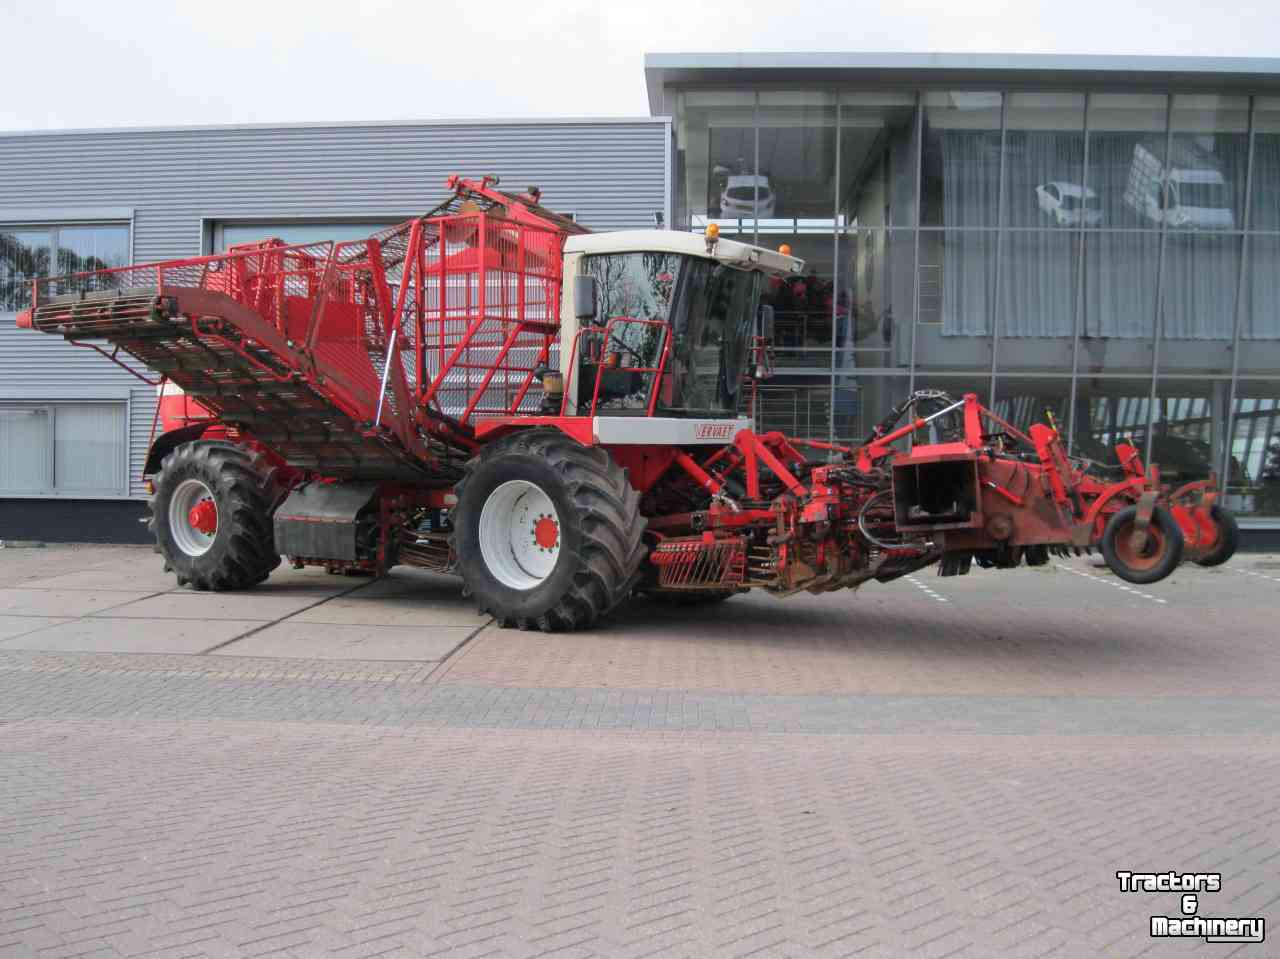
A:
108	635
300	639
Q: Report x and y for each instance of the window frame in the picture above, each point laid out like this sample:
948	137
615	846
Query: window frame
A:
51	224
120	398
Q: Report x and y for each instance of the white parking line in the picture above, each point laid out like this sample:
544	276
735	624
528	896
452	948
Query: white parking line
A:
1114	584
1249	572
928	590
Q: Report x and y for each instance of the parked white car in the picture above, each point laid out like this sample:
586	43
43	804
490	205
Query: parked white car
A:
1070	204
1191	194
747	195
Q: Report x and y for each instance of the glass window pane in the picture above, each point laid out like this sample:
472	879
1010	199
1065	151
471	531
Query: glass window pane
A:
796	177
957	298
1108	411
1039	277
24	450
1205	178
1264	210
793	199
1260	322
295	234
862	401
1044	162
961	163
89	453
715	140
1120	300
803	304
1022	401
1254	480
878	147
801	408
874	301
84	249
1127	142
1188	428
1200	275
24	255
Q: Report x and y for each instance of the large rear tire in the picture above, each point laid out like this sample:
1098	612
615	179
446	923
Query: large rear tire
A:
1228	537
547	532
211	516
1158	557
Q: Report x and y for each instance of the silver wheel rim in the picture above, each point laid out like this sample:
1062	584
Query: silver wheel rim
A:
189	494
519	534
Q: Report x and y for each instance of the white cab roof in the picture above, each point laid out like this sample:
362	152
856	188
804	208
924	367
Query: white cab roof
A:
729	252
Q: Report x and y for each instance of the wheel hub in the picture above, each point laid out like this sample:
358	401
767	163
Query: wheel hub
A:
193	517
204	517
519	534
546	532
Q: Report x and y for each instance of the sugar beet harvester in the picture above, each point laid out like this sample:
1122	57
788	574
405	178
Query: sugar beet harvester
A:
554	416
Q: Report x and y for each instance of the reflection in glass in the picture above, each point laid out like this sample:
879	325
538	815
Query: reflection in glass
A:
1198	311
1255	446
796	177
24	255
716	140
878	159
1038	292
957	299
803	306
1120	300
1107	411
961	161
1260	322
796	406
1264	209
1205	178
1127	141
629	286
874	302
1044	163
295	234
1022	401
1188	429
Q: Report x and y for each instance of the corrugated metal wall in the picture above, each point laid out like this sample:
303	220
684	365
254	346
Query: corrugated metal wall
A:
611	174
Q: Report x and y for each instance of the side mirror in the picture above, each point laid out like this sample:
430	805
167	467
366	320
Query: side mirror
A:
584	297
765	323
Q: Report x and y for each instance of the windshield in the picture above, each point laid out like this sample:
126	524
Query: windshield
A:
747	192
1204	195
714	316
712	309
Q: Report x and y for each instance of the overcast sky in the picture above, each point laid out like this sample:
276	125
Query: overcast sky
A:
126	63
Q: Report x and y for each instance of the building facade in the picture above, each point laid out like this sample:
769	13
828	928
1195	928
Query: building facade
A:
1097	237
74	427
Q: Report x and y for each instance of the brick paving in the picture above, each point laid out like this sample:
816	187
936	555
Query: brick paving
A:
885	774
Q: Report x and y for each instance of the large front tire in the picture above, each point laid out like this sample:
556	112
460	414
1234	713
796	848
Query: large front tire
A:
547	532
211	516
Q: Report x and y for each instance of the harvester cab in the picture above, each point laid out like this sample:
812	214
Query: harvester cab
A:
558	417
661	324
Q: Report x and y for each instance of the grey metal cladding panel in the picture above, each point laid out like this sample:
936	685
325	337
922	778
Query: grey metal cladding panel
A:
610	174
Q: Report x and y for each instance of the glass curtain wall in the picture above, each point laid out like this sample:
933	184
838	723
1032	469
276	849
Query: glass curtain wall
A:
1112	257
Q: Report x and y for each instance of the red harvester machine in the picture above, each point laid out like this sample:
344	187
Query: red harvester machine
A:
554	415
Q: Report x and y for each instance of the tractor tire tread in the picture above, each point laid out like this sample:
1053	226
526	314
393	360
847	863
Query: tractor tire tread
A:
249	491
612	551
